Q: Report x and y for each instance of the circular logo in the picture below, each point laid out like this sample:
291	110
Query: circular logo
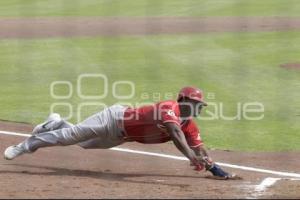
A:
171	113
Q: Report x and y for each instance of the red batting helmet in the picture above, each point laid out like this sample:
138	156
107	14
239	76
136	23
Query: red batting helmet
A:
192	93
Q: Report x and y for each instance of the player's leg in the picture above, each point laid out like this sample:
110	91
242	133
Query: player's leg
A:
103	126
114	137
53	122
60	137
100	143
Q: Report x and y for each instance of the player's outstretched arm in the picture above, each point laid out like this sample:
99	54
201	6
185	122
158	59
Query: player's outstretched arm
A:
180	142
216	170
201	152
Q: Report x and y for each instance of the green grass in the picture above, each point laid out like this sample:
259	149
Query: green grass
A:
31	8
236	67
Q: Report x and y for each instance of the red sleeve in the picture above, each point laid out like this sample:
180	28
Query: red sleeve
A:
169	112
192	134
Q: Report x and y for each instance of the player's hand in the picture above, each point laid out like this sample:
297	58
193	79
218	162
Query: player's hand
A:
197	164
198	167
202	163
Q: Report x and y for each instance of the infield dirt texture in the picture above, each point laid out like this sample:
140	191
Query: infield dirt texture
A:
71	172
117	26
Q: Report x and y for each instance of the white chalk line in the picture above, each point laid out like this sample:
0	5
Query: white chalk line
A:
261	188
267	183
245	168
16	134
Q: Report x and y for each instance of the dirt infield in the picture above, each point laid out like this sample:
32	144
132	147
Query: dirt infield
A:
112	26
71	172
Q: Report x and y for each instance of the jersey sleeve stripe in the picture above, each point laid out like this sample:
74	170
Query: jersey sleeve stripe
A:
176	122
197	145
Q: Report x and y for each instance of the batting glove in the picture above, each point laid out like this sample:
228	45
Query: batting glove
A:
217	171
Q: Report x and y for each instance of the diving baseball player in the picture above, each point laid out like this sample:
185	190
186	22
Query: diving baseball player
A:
115	125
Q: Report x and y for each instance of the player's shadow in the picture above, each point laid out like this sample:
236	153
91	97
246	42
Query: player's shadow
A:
107	175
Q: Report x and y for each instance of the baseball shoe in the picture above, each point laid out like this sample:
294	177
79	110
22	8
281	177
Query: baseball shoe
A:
13	151
53	122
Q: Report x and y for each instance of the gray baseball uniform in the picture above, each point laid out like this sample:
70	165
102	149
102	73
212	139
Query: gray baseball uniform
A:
102	130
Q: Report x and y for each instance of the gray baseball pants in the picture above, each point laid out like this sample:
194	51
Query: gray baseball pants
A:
102	130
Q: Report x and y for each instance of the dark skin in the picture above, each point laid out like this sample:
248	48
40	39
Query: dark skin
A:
188	108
